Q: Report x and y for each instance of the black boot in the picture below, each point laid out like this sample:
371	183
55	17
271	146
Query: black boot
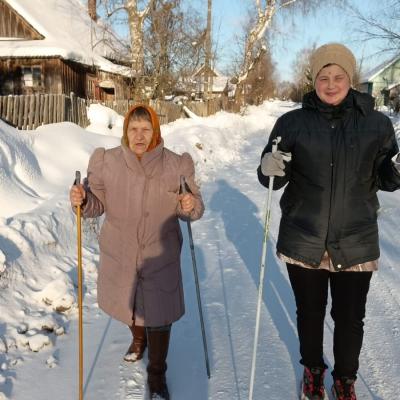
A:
158	341
138	345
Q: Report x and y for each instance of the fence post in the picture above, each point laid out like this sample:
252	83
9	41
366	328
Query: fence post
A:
20	122
26	110
63	108
51	108
46	109
55	108
15	110
9	108
73	108
36	118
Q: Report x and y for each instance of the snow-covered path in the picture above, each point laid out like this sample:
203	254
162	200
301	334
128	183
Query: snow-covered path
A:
228	248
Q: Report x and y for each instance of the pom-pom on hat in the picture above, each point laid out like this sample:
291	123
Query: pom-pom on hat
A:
333	53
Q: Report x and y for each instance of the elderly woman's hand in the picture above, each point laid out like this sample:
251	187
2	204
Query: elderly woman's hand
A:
187	202
77	195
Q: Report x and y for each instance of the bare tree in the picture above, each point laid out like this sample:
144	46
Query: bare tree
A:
302	74
380	25
261	80
174	44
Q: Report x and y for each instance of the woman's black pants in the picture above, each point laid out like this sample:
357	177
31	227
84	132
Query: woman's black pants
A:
349	296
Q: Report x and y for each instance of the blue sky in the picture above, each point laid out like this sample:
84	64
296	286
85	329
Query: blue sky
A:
325	25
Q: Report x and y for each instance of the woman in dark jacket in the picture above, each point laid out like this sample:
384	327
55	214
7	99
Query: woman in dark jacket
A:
341	153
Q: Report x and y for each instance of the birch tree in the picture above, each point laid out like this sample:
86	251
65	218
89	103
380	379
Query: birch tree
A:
137	11
265	12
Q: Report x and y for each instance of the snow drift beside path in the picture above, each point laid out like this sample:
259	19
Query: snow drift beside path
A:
20	172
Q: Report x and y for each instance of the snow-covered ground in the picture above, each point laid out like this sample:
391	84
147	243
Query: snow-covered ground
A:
38	323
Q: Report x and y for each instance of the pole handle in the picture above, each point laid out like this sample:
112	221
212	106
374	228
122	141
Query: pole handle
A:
77	178
183	185
275	143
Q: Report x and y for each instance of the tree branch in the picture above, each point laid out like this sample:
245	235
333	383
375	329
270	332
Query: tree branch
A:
287	3
112	12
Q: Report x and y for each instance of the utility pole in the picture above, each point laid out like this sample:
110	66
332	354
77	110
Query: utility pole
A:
208	79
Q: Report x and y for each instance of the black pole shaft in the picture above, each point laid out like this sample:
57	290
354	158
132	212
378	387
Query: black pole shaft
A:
196	279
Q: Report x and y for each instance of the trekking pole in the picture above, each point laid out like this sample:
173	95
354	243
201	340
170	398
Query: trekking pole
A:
196	278
262	271
79	229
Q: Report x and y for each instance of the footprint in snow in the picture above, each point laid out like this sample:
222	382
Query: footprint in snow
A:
132	380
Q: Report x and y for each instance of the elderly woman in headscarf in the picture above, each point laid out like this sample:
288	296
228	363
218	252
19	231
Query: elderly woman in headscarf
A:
335	154
137	186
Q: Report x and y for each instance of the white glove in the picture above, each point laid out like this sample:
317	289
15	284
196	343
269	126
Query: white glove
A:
272	164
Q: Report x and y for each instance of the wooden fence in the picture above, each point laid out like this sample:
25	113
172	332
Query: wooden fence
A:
31	111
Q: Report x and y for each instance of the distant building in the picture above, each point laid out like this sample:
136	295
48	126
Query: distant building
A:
383	81
220	83
58	47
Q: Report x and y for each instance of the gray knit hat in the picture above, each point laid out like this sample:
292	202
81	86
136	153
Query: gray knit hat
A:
333	53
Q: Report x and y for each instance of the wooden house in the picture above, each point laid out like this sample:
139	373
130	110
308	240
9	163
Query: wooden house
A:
220	83
383	81
56	47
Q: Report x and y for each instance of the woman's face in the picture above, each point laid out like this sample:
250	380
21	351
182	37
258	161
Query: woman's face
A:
140	132
332	84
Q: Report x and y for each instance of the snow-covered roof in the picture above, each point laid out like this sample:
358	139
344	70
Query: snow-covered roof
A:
68	32
374	72
198	70
219	81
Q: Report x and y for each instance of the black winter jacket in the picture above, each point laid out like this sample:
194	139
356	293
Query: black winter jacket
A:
341	157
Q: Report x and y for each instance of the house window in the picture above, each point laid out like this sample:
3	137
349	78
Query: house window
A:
32	76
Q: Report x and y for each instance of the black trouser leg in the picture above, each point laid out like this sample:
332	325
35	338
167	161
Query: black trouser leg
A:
349	296
310	288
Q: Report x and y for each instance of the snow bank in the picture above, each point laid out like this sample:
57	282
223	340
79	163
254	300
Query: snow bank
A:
104	121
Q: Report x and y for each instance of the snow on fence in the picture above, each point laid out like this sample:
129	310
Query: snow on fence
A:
167	111
31	111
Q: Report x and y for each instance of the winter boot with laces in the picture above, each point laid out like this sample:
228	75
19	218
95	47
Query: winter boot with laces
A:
312	386
343	389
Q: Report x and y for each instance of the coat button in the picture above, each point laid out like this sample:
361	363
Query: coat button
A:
339	266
